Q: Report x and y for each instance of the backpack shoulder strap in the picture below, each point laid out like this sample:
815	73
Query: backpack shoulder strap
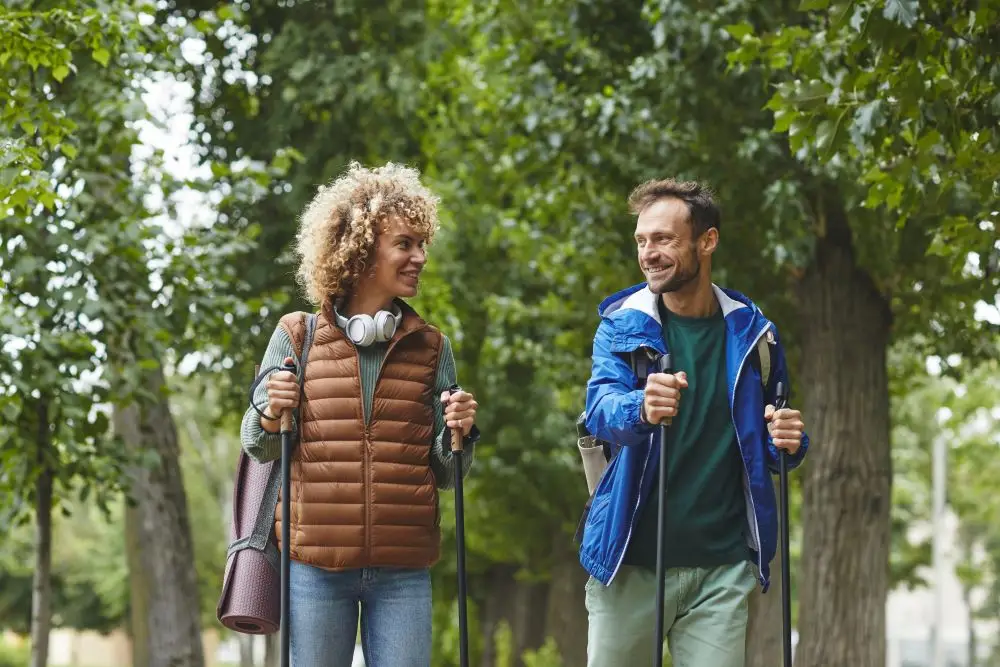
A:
640	361
764	354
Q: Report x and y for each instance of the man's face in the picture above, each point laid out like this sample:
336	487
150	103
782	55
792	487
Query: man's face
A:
399	258
668	253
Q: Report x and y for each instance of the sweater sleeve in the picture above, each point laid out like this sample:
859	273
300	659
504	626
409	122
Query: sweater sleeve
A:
442	460
260	445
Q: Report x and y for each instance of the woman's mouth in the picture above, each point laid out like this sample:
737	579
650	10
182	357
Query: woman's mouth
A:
410	277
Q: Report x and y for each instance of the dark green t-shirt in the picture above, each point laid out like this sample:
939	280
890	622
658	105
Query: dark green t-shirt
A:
705	510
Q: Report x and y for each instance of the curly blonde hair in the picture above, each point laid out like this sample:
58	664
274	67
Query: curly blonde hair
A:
339	228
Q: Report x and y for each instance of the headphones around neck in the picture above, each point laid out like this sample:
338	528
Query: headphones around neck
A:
363	329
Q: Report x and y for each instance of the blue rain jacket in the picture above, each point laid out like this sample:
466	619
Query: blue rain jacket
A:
630	320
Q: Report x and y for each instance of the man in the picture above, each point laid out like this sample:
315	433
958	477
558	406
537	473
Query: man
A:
723	440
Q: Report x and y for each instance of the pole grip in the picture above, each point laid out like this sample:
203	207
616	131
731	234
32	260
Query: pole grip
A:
286	415
456	433
664	364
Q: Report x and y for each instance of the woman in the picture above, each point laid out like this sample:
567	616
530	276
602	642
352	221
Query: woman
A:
376	417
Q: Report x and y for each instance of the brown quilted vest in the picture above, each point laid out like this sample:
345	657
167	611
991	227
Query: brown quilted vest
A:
365	497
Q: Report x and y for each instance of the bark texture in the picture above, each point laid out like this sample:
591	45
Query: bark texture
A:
172	625
537	610
846	500
764	629
41	587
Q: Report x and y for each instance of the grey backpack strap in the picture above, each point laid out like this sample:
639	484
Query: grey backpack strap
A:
764	344
260	538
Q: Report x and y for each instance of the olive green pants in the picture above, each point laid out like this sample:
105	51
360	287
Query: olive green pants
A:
704	614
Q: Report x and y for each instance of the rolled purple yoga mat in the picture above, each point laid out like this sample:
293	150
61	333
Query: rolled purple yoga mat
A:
250	602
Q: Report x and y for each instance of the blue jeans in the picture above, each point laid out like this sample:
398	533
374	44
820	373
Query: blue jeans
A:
395	609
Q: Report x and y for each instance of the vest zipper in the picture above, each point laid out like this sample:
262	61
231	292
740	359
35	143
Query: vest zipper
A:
368	447
367	463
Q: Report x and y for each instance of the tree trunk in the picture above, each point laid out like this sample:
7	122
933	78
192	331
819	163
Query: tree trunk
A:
139	593
846	497
523	604
764	629
272	650
566	621
166	553
41	590
972	659
246	650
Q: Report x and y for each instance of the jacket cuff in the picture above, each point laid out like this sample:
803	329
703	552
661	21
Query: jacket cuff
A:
793	459
633	412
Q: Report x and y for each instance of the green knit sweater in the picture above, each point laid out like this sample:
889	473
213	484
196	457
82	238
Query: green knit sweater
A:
263	446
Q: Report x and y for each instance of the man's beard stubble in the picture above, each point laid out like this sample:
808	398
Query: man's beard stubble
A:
682	278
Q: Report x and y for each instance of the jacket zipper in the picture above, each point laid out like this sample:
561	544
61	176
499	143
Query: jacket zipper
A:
755	527
635	512
638	504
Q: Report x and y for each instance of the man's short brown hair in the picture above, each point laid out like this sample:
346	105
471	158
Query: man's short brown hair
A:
702	209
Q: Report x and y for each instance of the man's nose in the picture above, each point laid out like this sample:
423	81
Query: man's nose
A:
647	255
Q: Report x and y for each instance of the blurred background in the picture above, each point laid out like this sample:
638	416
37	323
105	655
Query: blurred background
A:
154	158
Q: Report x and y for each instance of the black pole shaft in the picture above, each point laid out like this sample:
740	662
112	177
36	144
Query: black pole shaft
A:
286	456
781	391
786	577
463	624
661	518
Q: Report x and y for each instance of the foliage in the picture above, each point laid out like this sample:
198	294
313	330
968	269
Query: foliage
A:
14	656
903	96
972	426
89	593
546	656
50	354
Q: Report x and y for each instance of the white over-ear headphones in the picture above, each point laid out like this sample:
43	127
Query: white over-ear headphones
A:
363	329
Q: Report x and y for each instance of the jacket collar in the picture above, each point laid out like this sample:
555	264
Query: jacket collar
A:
636	318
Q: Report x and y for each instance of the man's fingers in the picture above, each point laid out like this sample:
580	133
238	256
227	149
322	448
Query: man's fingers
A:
791	446
667	380
662	401
788	424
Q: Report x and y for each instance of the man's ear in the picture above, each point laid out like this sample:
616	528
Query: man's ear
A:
709	241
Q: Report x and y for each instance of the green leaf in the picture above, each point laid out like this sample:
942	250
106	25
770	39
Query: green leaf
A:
813	5
102	56
60	73
901	11
28	127
69	150
739	30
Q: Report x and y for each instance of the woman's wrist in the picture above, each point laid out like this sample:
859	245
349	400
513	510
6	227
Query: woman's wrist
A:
270	425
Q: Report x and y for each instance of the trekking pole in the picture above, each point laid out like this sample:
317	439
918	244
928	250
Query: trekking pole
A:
463	627
286	482
663	364
786	593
